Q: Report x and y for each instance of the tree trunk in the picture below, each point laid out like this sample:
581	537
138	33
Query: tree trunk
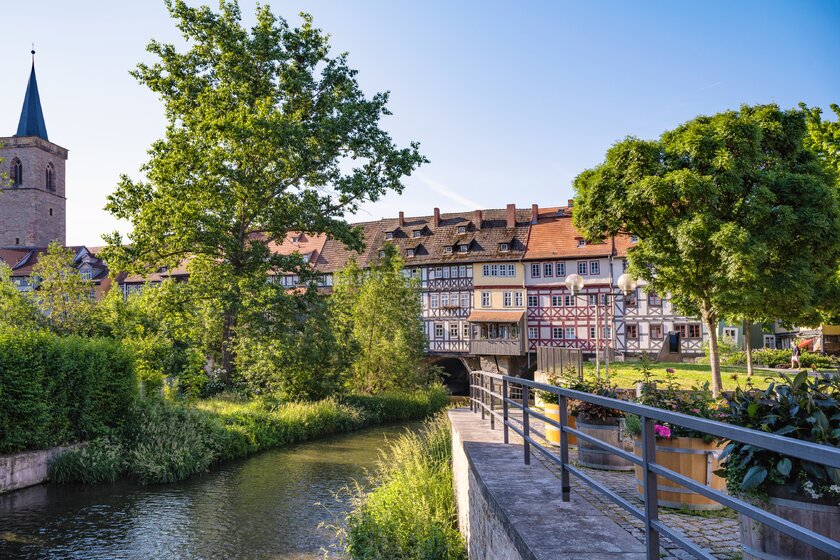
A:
748	347
710	320
228	327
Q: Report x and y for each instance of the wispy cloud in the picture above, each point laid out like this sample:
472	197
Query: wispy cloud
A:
445	191
710	86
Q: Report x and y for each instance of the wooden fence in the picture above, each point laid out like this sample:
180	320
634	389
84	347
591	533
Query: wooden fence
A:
551	359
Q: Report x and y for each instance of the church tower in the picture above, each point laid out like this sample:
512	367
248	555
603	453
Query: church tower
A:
32	196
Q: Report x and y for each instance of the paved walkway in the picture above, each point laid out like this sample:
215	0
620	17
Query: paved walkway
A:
717	531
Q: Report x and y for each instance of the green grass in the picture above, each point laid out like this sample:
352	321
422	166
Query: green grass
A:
410	514
626	374
166	442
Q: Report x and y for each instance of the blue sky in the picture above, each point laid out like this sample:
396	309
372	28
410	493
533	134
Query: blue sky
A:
510	100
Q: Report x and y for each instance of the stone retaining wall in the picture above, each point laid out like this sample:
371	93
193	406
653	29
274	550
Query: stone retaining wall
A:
27	468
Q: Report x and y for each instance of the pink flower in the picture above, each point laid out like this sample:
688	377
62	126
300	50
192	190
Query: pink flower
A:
669	370
662	431
695	411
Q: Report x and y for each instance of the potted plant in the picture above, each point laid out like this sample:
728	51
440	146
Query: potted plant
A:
603	423
682	450
568	379
804	408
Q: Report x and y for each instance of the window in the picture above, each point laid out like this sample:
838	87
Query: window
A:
654	299
594	267
381	254
731	333
548	269
409	252
517	299
416	233
454	272
511	270
85	274
592	333
92	294
632	330
581	243
504	246
533	333
438	330
535	270
682	330
466	330
50	177
388	235
694	330
435	301
50	211
556	301
16	172
623	265
445	271
485	299
557	333
463	270
582	268
656	331
533	301
453	330
632	298
570	333
448	249
606	332
560	269
444	299
592	299
462	229
463	248
507	299
634	239
769	341
465	300
569	300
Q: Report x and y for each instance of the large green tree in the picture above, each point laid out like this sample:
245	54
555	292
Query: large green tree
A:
63	296
735	215
376	313
267	133
16	310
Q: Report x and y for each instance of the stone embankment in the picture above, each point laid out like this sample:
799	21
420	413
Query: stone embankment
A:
26	469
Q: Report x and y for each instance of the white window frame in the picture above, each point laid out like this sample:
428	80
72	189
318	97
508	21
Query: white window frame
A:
730	333
517	299
465	300
462	229
548	270
439	331
409	252
507	299
570	333
466	330
569	300
594	268
582	267
388	235
447	250
453	331
556	301
581	243
444	299
486	299
533	301
434	300
504	247
533	333
559	269
536	268
463	248
557	333
770	338
416	233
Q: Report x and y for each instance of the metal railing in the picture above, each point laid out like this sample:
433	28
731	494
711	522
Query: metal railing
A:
492	395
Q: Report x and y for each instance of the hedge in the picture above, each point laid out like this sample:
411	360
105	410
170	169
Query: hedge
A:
56	390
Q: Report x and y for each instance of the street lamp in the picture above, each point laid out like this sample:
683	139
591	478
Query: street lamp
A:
574	282
626	283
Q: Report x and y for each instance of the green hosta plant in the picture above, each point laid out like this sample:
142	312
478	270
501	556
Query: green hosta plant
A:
588	412
802	407
568	378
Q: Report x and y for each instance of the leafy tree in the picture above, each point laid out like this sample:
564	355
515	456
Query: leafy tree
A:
377	313
267	133
735	216
61	293
16	310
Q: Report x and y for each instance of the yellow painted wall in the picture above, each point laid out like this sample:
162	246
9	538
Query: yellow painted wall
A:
497	298
480	280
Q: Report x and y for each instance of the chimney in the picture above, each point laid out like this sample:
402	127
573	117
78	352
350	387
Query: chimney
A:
437	217
511	215
477	219
571	202
402	219
535	212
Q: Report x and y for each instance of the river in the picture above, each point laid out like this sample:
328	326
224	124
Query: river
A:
267	506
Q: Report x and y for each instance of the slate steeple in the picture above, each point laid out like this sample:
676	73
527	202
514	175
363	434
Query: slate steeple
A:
31	116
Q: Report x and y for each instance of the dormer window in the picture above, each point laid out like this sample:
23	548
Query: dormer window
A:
581	242
463	248
409	252
381	254
634	239
462	229
417	233
504	246
448	249
295	239
389	235
85	274
16	172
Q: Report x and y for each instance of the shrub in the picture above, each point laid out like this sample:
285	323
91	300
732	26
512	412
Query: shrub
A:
102	460
56	390
411	513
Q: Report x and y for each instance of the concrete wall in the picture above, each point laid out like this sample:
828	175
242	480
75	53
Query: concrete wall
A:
26	469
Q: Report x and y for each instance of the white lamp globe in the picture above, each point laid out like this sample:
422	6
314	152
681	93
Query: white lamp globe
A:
626	283
574	282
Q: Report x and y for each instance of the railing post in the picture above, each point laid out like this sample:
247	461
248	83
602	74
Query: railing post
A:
651	503
526	428
564	448
492	406
483	396
505	408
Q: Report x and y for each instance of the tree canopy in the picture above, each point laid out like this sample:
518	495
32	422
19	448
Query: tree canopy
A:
267	133
735	215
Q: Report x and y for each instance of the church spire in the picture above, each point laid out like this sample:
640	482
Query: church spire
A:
31	116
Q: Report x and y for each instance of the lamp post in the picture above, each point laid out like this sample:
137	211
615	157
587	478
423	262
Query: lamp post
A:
626	284
574	282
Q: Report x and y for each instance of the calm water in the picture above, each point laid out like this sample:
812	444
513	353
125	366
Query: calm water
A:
268	506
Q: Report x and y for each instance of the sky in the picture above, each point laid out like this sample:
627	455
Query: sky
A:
509	100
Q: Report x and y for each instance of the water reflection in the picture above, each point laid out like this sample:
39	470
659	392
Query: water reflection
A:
262	507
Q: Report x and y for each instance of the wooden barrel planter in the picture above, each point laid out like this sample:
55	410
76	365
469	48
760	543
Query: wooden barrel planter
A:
552	434
592	456
688	456
761	542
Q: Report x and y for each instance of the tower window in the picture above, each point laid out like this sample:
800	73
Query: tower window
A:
50	179
17	240
50	211
16	172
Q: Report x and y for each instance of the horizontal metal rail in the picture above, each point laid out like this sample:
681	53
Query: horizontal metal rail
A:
485	398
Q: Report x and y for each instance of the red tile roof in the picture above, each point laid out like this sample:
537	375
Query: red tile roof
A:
555	236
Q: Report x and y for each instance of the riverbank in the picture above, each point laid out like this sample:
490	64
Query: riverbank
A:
166	442
410	513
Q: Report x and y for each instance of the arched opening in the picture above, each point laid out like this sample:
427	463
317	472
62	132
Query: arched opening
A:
16	172
456	376
50	178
